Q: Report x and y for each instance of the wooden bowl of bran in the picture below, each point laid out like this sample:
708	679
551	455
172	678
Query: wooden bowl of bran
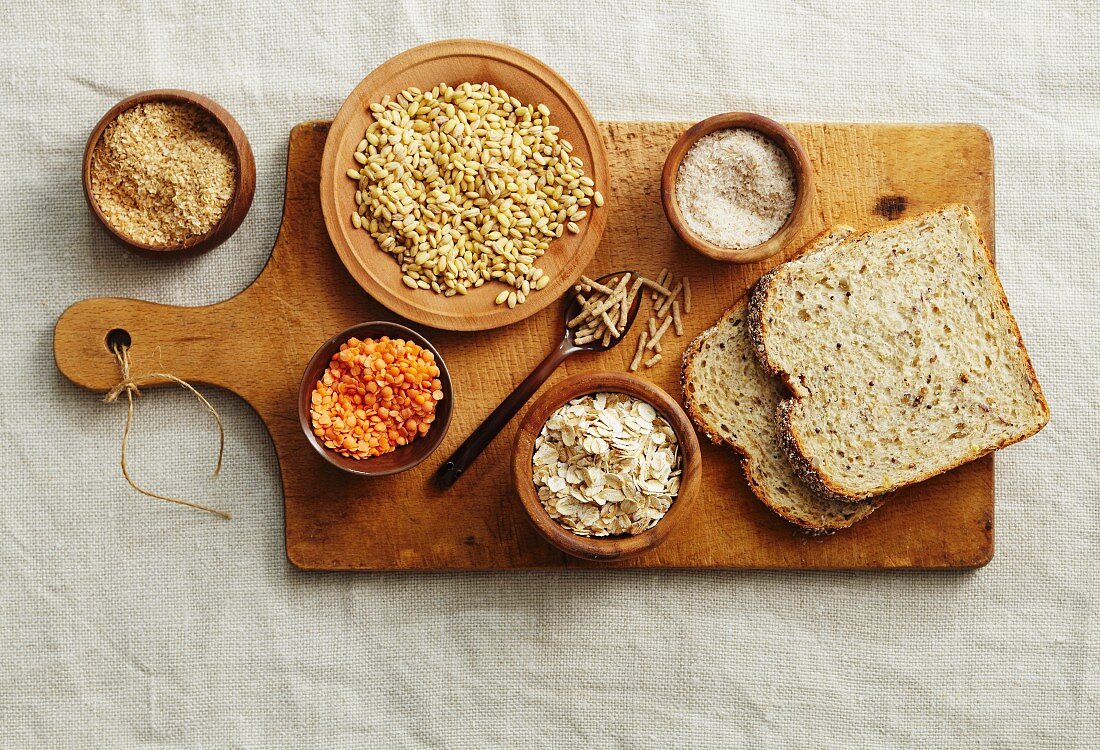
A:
244	170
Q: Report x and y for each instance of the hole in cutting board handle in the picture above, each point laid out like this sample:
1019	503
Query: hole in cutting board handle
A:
117	337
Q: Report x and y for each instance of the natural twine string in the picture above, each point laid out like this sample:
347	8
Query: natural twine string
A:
129	386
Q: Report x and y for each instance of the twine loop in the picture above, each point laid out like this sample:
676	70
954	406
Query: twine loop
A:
129	385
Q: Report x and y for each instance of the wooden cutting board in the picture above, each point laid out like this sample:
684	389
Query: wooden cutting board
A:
257	344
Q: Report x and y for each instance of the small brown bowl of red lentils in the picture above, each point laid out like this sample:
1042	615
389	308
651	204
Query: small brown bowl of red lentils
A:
376	399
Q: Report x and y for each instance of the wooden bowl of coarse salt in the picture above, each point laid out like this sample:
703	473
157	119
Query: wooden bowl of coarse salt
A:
736	187
169	173
641	410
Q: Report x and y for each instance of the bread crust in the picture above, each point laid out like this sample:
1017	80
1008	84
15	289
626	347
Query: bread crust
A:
757	301
786	431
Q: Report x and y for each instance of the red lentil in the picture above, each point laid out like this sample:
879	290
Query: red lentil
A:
375	396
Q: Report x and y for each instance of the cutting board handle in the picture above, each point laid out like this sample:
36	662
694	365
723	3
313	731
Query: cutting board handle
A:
182	341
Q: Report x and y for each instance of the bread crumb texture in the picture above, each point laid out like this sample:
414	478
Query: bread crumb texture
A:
733	400
163	172
902	353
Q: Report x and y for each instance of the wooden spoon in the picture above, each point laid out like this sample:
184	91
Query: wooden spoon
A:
477	442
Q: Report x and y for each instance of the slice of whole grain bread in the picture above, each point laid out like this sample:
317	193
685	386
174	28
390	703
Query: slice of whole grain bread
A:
901	353
733	401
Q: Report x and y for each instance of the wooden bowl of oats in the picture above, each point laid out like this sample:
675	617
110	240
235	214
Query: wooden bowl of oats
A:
462	185
169	173
606	465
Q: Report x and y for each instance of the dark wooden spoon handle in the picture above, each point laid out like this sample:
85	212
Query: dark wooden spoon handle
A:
481	437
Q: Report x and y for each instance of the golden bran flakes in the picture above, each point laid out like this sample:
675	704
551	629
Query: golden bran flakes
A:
163	172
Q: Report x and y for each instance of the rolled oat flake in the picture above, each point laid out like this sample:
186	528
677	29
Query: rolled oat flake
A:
607	464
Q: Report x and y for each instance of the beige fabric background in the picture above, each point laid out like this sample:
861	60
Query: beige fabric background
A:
127	623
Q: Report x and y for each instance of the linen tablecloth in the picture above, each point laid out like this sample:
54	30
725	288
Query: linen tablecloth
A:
125	622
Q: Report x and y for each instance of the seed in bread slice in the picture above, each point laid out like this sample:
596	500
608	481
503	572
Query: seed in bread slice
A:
901	353
733	400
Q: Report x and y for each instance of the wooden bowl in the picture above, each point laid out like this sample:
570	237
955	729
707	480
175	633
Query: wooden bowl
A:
242	192
800	164
404	457
613	547
456	61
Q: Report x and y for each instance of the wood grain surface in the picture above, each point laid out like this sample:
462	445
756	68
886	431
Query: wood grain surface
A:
258	343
